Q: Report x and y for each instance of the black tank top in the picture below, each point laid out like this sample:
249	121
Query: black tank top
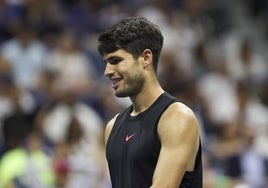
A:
133	148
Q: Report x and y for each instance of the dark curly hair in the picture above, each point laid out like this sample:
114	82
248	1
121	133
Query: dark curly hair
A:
134	35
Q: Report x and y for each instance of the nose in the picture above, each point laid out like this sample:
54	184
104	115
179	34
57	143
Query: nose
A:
108	70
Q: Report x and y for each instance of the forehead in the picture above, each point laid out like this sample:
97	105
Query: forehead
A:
118	53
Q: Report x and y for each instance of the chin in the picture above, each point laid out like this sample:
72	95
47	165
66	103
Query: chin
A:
121	94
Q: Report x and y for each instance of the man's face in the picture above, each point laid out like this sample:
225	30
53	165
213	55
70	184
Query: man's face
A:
125	72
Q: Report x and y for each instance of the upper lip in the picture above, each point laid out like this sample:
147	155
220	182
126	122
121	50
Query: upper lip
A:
114	80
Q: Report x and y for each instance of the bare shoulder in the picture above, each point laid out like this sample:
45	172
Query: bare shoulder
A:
179	111
178	119
109	127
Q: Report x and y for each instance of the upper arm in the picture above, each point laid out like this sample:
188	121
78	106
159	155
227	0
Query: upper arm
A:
109	127
179	135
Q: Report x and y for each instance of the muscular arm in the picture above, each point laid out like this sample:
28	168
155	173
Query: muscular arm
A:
179	135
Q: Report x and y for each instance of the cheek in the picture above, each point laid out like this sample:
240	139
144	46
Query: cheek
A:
135	73
130	70
136	79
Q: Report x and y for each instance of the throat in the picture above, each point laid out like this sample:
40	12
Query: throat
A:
142	103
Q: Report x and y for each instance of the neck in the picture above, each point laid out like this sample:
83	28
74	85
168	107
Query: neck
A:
145	99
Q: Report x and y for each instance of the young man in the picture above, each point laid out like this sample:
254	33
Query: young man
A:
155	142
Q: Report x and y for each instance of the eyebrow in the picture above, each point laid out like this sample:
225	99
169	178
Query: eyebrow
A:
112	58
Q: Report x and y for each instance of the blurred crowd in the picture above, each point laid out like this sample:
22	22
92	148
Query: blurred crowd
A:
55	102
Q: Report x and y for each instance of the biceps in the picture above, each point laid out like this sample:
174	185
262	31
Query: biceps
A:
171	166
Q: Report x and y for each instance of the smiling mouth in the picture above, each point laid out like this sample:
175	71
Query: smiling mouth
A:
116	83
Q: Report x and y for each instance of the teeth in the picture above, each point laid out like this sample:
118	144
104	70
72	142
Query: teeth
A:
116	80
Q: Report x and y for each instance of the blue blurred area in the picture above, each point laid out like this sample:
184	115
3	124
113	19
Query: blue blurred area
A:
55	102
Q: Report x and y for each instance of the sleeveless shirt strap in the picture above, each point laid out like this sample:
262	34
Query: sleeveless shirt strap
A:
164	102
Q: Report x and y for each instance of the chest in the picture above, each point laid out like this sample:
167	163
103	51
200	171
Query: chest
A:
135	142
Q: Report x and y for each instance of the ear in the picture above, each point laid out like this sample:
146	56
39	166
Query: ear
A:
147	57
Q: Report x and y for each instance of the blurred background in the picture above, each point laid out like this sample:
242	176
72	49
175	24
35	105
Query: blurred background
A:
55	102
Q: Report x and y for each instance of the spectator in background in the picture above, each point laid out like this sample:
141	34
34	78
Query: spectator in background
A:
251	111
24	162
202	62
86	159
70	65
245	63
12	98
60	114
252	162
221	106
14	102
15	127
6	85
46	17
61	164
26	55
43	15
254	118
226	151
73	72
27	165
